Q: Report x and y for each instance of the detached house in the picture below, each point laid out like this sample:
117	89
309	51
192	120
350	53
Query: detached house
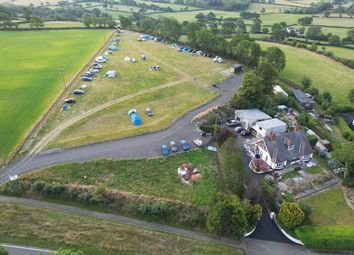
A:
281	150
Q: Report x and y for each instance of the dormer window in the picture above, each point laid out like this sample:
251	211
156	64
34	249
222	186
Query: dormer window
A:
290	147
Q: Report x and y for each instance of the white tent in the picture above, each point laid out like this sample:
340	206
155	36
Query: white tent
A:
111	74
127	59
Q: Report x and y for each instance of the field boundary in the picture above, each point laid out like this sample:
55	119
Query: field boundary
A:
37	126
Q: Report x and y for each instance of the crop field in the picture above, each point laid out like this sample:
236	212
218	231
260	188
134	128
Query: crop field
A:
152	177
326	74
55	229
182	76
30	77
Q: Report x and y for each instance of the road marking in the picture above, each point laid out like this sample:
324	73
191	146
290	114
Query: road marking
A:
26	248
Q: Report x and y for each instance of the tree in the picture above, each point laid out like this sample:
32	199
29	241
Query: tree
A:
226	216
351	96
276	57
256	26
125	22
170	28
313	32
313	47
303	118
211	16
241	27
36	22
205	39
334	40
306	82
87	19
191	32
247	52
200	17
148	25
350	34
3	251
251	92
27	12
267	72
228	28
344	154
291	215
278	32
305	21
327	96
265	30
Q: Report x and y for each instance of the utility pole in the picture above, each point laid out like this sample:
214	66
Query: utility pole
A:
61	70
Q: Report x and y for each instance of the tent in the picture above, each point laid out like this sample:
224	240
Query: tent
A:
111	74
127	59
134	117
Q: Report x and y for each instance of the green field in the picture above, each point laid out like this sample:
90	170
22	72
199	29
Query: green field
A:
326	74
341	32
339	22
55	229
183	77
152	177
190	16
340	52
30	77
289	19
57	24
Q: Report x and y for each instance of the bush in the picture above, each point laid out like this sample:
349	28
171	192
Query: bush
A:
290	215
156	209
3	251
306	209
38	186
313	140
17	187
269	193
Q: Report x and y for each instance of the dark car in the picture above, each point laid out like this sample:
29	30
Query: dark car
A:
174	147
86	78
185	145
165	150
239	129
96	66
245	133
149	112
78	92
70	101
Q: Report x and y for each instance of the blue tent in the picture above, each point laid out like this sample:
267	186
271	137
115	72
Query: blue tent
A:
134	117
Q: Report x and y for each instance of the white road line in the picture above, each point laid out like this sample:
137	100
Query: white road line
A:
26	248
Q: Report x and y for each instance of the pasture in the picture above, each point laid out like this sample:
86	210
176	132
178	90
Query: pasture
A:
55	229
151	177
57	24
31	78
326	74
180	85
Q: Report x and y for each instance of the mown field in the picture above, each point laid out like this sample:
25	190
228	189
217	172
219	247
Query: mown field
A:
331	222
57	24
55	229
326	74
152	177
186	78
30	79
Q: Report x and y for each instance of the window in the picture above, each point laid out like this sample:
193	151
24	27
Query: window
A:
290	147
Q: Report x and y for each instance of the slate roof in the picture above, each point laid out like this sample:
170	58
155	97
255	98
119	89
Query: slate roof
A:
278	146
302	97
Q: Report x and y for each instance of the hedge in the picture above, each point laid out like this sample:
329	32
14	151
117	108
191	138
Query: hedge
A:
346	131
329	238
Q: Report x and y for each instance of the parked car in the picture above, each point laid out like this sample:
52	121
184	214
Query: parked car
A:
232	123
197	141
89	74
185	145
78	92
70	101
149	112
101	59
174	147
93	70
203	134
83	87
245	133
86	78
96	66
165	150
239	129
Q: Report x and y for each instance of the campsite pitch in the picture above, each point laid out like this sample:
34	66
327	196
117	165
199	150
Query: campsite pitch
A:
30	75
179	86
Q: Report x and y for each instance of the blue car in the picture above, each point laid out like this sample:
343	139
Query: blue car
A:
86	78
185	145
165	150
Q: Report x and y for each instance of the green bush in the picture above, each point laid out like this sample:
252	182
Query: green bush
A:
156	209
16	187
3	251
331	238
346	131
290	215
38	186
269	193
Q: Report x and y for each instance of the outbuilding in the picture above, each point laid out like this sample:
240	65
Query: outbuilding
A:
304	99
248	117
265	127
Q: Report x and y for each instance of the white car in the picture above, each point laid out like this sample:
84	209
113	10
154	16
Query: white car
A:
198	142
101	59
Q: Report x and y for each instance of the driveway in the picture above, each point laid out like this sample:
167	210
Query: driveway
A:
143	146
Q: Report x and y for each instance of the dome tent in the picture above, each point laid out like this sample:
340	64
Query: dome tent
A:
134	117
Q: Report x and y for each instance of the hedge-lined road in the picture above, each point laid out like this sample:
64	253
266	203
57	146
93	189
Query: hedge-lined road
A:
25	250
143	146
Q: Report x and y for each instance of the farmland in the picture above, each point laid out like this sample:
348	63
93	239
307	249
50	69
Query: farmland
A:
182	76
333	77
30	75
36	226
152	177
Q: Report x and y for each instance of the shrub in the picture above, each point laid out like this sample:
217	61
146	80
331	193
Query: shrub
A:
156	209
84	197
38	186
290	215
269	193
3	251
306	209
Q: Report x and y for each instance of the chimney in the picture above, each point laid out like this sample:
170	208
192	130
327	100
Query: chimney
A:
275	155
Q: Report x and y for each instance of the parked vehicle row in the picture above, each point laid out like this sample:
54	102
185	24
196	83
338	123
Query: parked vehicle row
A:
173	147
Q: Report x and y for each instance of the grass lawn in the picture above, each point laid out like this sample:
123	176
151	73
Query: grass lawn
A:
189	75
55	229
341	52
298	3
340	22
153	177
190	15
290	174
269	8
314	170
330	208
326	74
341	32
289	19
30	80
57	24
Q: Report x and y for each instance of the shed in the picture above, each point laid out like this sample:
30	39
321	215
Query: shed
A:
248	117
237	68
134	117
304	99
265	127
111	74
277	90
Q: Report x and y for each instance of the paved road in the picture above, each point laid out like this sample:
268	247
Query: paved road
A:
25	250
124	220
144	146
